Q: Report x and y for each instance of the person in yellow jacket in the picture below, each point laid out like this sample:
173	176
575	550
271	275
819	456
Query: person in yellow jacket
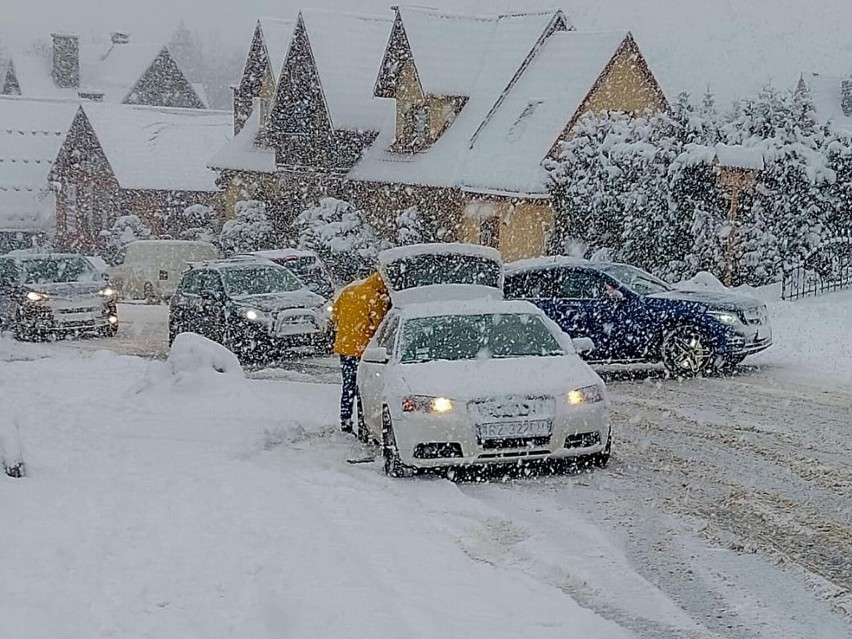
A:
356	314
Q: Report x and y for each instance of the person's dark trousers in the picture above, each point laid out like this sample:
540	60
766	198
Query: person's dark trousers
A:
349	393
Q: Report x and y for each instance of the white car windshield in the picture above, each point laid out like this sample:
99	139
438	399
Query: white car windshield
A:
461	337
56	270
261	280
636	279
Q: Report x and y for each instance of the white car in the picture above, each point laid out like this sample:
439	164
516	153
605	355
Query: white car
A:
150	269
476	382
457	376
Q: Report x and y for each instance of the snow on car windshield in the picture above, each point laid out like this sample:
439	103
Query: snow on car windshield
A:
56	270
458	337
636	279
430	269
262	280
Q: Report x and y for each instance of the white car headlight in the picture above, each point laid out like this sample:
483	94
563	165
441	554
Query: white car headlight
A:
585	395
728	318
426	404
254	315
106	292
32	296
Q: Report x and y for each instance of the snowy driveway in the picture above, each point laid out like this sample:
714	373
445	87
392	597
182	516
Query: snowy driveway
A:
158	507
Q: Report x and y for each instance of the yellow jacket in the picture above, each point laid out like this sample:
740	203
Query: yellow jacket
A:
357	313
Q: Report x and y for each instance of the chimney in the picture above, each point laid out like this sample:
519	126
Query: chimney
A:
846	97
119	37
66	60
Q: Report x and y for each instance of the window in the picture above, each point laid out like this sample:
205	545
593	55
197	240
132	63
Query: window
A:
484	336
543	284
8	274
489	231
71	208
191	282
430	269
581	285
258	281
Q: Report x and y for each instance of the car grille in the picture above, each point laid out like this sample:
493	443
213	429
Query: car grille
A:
514	442
513	454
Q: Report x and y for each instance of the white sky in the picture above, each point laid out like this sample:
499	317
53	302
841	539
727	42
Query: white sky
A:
734	46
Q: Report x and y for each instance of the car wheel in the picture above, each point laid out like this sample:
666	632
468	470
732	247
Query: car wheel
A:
688	351
390	454
727	365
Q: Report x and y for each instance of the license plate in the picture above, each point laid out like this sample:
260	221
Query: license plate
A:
509	430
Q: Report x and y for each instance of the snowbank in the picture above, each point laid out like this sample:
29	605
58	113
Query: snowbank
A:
193	355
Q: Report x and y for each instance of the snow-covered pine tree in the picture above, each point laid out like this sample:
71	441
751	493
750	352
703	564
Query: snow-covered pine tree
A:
338	232
250	230
197	223
125	229
786	218
411	229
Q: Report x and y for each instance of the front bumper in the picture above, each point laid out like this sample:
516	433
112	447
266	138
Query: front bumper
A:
577	432
747	340
68	317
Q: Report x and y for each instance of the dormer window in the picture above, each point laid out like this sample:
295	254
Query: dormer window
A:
419	125
846	97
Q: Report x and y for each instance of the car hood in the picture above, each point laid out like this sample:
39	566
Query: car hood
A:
713	299
475	379
303	298
67	289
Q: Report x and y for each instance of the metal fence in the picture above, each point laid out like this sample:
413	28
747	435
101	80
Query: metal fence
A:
829	268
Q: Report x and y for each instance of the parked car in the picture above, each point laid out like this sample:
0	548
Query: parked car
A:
54	295
150	269
255	308
476	382
307	266
632	316
455	376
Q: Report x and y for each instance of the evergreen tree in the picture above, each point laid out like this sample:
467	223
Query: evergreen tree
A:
250	230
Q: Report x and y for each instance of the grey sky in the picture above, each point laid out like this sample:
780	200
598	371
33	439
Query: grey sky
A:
734	46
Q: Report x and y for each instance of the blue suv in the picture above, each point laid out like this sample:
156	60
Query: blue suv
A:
632	316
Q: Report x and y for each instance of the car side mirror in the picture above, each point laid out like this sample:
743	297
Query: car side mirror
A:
376	355
583	345
105	276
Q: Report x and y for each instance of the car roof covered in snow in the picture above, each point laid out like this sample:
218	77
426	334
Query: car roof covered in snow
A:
469	307
284	254
26	254
456	248
545	262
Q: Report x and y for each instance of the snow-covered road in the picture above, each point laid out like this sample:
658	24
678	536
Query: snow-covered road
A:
164	507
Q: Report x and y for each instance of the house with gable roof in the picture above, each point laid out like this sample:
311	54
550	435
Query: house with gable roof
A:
31	133
148	161
320	119
120	72
472	132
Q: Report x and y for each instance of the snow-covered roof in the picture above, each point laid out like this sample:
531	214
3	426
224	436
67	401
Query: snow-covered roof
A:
402	252
113	69
738	156
348	50
508	151
241	153
284	253
276	34
505	43
31	133
826	94
160	148
450	50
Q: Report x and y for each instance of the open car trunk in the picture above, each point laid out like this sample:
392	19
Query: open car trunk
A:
441	272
